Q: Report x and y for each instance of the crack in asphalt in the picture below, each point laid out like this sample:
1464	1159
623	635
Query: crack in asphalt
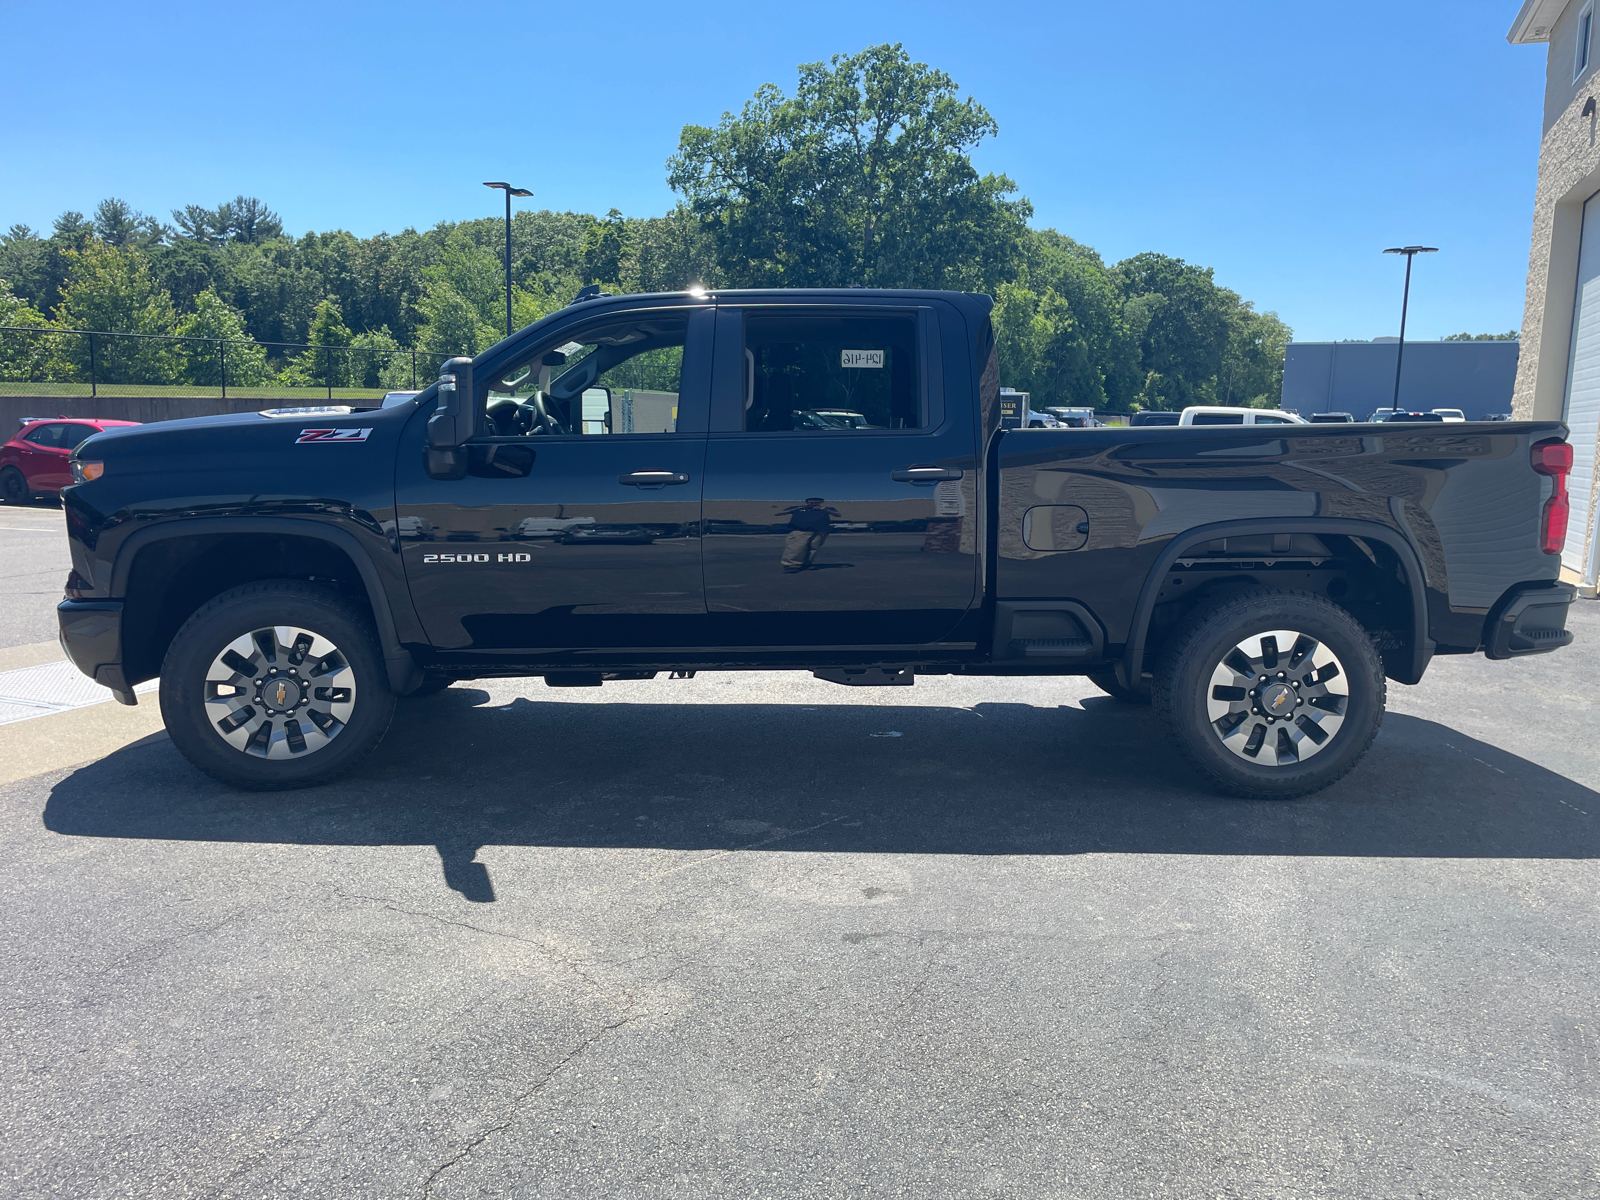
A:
510	1110
781	835
499	933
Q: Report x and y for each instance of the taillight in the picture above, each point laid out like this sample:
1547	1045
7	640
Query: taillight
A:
1554	458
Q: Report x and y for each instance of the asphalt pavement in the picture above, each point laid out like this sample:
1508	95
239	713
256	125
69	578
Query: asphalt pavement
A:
759	935
34	563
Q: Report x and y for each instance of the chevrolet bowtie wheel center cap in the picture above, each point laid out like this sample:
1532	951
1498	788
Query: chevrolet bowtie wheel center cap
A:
281	693
1277	698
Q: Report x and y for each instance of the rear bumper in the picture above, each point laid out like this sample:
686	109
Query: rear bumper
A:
91	634
1531	618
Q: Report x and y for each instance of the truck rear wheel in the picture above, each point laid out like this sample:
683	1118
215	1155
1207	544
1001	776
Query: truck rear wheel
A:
1272	694
278	684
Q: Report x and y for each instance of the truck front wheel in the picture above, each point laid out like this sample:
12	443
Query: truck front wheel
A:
1272	694
278	684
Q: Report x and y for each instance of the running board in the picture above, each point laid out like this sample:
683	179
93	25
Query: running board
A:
869	676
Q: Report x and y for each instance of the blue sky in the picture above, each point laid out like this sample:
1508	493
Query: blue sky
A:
1282	145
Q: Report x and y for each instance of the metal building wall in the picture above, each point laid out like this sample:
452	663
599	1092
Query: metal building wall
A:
1358	377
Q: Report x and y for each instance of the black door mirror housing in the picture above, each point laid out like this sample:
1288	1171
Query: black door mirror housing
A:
452	422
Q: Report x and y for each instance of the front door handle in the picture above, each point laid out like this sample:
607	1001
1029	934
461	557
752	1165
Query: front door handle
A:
652	479
926	474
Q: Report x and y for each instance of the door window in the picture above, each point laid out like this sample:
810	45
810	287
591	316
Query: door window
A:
831	374
618	376
46	435
73	436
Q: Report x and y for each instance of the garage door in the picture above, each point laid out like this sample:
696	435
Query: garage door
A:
1582	413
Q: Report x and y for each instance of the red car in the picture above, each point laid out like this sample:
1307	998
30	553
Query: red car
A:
34	462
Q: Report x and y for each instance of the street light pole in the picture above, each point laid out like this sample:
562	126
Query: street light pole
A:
1405	302
510	192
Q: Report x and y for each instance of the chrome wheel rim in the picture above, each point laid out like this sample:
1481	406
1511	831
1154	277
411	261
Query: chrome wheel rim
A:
279	693
1278	698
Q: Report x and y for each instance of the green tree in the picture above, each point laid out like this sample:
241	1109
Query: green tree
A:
862	177
330	366
1511	335
377	361
1252	363
1042	349
670	254
605	247
117	224
22	263
452	326
112	290
213	318
1181	322
24	357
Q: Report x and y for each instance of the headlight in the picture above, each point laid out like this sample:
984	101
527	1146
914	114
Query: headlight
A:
83	472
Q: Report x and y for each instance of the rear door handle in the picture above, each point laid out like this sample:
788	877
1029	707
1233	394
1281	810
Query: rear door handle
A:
926	474
652	479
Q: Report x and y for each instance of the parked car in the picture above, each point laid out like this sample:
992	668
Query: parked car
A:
1332	418
1399	414
829	418
273	572
1216	414
35	461
1154	417
1452	416
1075	418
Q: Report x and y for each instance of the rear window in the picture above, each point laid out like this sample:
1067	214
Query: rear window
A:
45	435
809	374
1217	419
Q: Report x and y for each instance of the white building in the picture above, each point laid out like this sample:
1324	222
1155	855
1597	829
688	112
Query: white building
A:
1558	374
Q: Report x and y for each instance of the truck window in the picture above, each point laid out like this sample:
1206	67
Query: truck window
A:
813	374
622	375
1217	419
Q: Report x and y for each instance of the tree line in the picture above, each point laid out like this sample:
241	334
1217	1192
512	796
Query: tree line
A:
862	177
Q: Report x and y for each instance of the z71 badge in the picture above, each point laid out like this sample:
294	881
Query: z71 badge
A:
333	435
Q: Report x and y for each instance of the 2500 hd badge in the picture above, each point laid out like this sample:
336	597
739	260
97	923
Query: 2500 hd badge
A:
476	558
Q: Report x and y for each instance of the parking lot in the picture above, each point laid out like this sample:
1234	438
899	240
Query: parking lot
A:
759	935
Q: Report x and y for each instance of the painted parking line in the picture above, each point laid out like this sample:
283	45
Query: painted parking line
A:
51	688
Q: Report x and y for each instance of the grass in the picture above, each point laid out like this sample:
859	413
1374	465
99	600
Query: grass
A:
129	390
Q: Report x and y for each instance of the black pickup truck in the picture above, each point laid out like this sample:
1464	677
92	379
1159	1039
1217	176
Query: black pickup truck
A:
794	480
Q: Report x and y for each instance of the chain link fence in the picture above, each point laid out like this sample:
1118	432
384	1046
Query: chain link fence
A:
36	361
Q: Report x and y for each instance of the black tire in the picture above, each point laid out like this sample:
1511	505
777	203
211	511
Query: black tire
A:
14	487
198	648
1108	683
1216	635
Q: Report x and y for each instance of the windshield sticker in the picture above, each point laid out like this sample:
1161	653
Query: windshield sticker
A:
858	359
333	435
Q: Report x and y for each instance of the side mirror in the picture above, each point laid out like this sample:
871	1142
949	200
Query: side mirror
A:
451	424
453	419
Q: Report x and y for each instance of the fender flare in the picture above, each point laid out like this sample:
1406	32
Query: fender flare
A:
1130	669
402	669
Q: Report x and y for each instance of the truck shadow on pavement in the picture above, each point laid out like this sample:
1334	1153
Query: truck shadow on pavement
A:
993	779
